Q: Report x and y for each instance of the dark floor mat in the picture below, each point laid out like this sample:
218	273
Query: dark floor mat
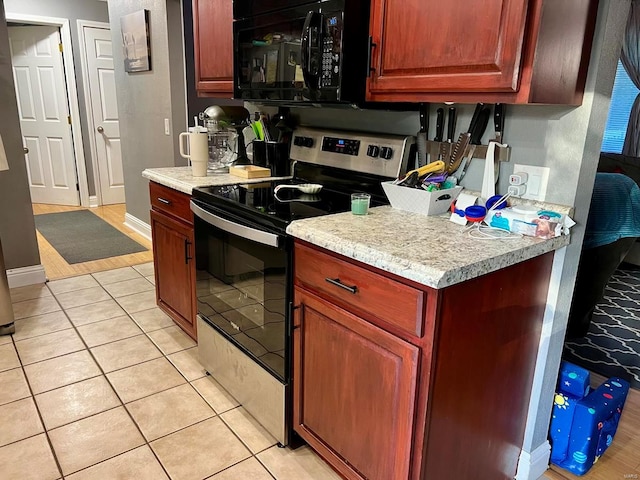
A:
80	236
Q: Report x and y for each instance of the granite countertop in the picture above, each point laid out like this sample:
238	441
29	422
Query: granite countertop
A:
180	178
430	250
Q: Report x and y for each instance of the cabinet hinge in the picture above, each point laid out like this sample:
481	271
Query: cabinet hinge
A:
69	119
60	47
78	187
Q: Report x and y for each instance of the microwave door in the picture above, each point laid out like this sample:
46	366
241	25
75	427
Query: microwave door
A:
311	52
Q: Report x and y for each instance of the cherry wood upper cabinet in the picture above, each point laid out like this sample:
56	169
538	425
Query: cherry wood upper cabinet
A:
213	47
511	51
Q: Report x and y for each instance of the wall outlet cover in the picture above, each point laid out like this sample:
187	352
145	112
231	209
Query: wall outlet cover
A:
537	181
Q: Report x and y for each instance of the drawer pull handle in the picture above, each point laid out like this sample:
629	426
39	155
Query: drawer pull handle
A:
187	257
164	200
338	283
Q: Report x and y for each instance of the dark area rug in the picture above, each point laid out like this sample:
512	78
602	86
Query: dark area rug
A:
80	236
612	345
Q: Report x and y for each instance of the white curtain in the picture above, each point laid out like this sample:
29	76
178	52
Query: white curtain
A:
630	58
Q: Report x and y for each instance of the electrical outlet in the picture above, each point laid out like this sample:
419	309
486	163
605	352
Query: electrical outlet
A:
167	128
537	181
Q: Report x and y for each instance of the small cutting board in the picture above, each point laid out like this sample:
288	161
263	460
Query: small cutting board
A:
249	171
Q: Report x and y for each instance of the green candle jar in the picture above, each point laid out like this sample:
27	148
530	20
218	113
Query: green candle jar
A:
360	203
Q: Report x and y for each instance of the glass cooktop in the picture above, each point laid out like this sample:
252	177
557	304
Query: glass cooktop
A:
258	202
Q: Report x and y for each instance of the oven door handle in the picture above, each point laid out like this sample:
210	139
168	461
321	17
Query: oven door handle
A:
243	231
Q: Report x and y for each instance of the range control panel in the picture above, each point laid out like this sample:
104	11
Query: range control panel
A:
344	146
378	154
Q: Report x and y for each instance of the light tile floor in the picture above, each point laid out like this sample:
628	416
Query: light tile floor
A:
98	383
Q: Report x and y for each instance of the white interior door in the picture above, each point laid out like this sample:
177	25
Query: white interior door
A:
102	87
43	107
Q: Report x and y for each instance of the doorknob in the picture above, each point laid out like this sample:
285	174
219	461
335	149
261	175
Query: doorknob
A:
100	129
25	150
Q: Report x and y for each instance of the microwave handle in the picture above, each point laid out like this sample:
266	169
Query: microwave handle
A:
243	231
311	78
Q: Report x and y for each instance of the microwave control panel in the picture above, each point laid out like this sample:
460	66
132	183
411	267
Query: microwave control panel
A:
331	50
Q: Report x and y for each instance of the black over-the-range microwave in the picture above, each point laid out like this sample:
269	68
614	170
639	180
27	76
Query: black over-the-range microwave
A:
297	51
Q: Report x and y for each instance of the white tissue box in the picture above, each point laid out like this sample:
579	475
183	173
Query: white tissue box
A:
418	200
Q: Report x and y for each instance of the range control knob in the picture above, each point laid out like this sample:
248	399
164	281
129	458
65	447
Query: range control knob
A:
386	152
373	151
303	141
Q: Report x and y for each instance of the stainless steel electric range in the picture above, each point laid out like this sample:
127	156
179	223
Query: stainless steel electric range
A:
244	260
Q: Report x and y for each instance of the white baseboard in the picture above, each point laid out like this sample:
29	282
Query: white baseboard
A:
93	201
532	465
20	277
138	225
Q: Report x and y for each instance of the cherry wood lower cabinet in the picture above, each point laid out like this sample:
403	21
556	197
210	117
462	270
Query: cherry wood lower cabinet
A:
175	273
448	399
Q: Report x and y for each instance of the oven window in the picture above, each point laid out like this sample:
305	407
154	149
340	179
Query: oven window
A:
242	292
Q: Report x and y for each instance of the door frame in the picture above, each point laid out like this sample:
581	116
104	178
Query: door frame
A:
72	92
81	24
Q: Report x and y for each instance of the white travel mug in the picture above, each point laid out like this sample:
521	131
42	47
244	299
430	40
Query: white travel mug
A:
198	150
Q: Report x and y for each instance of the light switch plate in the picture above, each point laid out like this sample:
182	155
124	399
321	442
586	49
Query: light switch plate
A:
537	181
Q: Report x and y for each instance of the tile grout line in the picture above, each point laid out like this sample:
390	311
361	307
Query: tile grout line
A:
122	403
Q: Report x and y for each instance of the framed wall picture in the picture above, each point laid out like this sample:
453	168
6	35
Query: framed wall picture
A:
136	42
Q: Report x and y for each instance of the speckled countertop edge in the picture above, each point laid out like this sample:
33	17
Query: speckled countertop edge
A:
180	178
430	250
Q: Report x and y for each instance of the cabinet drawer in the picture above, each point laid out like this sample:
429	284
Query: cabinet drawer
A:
170	201
366	291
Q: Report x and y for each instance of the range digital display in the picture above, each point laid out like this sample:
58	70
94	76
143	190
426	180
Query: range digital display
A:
341	145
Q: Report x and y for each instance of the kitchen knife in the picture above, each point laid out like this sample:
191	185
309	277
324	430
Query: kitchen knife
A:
474	117
458	152
421	138
498	121
439	125
478	129
451	124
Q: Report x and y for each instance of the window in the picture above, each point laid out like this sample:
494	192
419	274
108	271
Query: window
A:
622	98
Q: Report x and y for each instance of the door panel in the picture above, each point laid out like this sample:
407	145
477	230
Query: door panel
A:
464	46
43	108
104	108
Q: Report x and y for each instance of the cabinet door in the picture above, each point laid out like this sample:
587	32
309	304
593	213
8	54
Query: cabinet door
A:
354	390
213	46
174	270
428	46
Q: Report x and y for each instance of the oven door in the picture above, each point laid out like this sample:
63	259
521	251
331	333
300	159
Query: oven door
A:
243	285
293	54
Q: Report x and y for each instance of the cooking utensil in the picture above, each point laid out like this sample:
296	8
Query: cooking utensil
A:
421	138
437	166
458	152
308	188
